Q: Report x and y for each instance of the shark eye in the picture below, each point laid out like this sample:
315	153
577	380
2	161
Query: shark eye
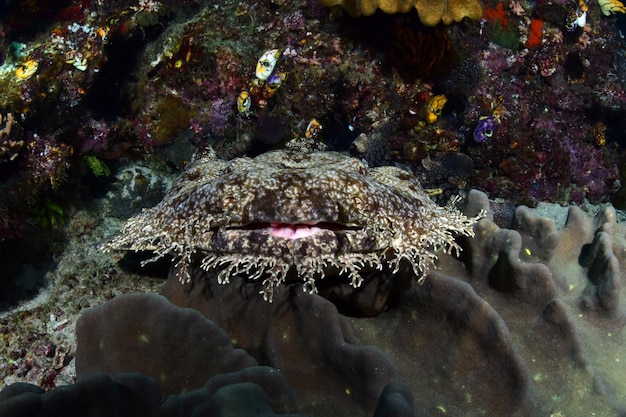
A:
488	132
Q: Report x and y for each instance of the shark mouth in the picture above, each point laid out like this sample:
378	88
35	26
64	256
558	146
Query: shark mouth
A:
294	231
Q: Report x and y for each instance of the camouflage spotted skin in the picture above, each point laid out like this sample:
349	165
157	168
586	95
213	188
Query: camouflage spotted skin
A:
225	214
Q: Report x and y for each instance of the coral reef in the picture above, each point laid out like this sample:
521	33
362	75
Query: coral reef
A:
122	79
40	301
286	211
526	322
416	51
47	160
364	371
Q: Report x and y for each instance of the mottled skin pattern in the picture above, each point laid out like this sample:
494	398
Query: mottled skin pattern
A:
221	212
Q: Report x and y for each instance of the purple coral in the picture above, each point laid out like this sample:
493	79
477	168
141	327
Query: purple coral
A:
221	114
590	171
294	21
47	159
94	136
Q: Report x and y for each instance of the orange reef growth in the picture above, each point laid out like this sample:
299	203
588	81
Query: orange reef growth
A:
502	33
496	15
535	32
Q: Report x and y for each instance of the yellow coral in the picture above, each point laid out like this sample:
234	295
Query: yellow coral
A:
27	69
431	12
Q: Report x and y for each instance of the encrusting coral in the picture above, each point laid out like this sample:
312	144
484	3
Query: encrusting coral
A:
286	212
431	12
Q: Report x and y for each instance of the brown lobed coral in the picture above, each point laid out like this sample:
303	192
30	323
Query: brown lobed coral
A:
253	391
431	12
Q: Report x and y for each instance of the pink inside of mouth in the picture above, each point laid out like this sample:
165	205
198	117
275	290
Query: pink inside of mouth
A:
293	231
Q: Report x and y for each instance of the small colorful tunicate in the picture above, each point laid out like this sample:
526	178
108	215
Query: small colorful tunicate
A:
267	62
575	19
599	134
312	129
264	86
578	18
272	84
244	102
77	59
103	32
484	129
434	108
